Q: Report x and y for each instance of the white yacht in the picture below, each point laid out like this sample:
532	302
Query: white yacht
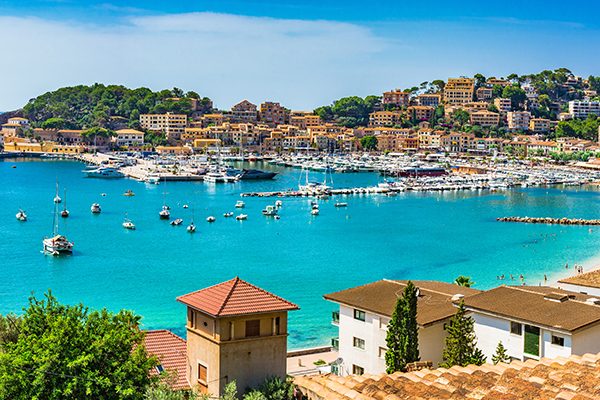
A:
228	214
57	198
270	211
127	224
191	228
95	208
21	216
240	204
164	213
103	172
242	217
57	244
314	211
177	222
210	219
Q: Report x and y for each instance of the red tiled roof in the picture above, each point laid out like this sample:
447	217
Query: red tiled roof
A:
170	350
235	297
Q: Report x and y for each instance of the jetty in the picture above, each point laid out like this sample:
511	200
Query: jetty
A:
550	221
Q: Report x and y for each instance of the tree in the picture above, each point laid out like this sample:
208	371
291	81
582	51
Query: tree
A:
368	142
460	341
500	356
10	326
275	388
516	95
464	281
163	391
479	80
70	352
402	334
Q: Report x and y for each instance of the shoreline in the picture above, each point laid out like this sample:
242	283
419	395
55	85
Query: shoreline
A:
589	265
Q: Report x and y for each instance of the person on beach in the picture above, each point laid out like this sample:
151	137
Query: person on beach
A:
567	266
545	278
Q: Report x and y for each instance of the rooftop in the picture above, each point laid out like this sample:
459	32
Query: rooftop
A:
539	305
576	377
170	350
235	297
434	303
589	279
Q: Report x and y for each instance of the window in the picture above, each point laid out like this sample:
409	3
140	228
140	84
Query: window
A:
559	341
382	323
358	343
356	370
253	328
382	351
159	368
277	325
516	328
359	315
203	378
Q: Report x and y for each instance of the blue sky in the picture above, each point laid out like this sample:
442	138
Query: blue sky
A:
301	53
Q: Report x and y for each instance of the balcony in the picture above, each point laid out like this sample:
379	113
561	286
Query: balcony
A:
335	343
335	317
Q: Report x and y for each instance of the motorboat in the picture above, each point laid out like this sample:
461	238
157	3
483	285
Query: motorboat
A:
103	172
191	228
270	211
21	216
240	204
129	193
314	211
185	206
250	174
315	206
228	214
153	179
127	224
210	219
341	204
177	222
95	208
278	203
242	217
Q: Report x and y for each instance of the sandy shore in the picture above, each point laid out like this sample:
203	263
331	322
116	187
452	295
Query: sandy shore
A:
591	264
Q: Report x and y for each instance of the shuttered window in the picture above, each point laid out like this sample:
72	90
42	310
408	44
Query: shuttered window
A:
253	328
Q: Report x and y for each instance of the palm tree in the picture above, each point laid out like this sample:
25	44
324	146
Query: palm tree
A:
464	281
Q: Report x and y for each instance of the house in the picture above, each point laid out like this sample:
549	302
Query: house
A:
420	113
128	138
235	331
172	125
485	118
503	105
575	378
535	321
384	118
365	311
273	114
170	350
540	125
587	283
430	100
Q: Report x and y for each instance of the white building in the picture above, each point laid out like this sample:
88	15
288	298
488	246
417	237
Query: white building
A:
365	311
581	109
129	138
534	322
588	283
518	120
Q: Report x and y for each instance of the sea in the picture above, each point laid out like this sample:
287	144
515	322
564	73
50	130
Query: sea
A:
301	257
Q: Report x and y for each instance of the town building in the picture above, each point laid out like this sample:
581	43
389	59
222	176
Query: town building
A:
535	321
581	109
235	331
459	91
458	142
503	105
172	125
396	98
484	93
420	113
384	118
429	99
128	138
586	283
273	114
540	125
365	311
304	120
518	120
485	118
499	82
244	111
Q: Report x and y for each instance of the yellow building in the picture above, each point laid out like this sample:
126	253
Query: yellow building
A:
235	331
22	146
396	97
273	114
420	113
384	118
204	143
485	118
459	91
173	125
540	125
176	150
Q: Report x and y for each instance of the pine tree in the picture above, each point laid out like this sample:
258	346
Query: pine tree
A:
460	342
402	335
501	356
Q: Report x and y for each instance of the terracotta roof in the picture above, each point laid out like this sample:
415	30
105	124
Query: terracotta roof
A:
531	304
170	350
589	279
576	378
235	297
434	303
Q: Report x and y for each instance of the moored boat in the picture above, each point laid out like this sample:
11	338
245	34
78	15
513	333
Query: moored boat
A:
21	216
341	204
240	204
228	214
191	228
95	208
103	172
210	219
176	222
270	211
242	217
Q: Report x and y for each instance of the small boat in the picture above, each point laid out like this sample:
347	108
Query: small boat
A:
21	216
315	211
127	224
103	172
242	217
57	198
185	206
341	204
103	194
278	203
164	213
270	211
240	204
211	219
95	208
277	217
228	214
315	207
65	213
177	222
191	228
129	193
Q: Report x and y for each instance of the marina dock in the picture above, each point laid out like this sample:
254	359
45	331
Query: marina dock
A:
552	221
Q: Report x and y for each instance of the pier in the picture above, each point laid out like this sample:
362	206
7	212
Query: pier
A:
551	221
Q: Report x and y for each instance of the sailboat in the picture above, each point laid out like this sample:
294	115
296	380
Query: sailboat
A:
57	244
57	198
21	216
65	213
191	228
164	213
127	224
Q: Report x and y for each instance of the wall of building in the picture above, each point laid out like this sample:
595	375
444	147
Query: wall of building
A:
491	330
580	289
549	350
587	341
432	340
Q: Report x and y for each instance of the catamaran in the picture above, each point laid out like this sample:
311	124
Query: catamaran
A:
57	244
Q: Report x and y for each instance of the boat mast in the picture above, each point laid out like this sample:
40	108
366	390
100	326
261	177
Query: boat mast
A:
65	204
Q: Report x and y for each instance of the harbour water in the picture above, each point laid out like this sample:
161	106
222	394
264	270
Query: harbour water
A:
300	257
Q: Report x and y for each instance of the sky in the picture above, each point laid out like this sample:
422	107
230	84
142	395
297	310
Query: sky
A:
301	53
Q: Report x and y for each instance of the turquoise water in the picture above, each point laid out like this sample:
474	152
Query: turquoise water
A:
300	257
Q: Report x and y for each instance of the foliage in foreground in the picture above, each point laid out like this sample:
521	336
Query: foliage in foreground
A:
461	342
402	337
70	352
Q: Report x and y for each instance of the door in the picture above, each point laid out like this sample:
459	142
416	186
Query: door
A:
531	341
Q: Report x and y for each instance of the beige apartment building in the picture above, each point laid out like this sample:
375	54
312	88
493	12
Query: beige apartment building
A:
244	111
427	99
396	97
304	120
459	91
503	106
420	113
173	125
540	125
485	118
518	120
384	118
273	114
484	93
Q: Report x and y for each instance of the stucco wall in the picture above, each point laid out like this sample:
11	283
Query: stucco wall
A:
580	289
587	341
